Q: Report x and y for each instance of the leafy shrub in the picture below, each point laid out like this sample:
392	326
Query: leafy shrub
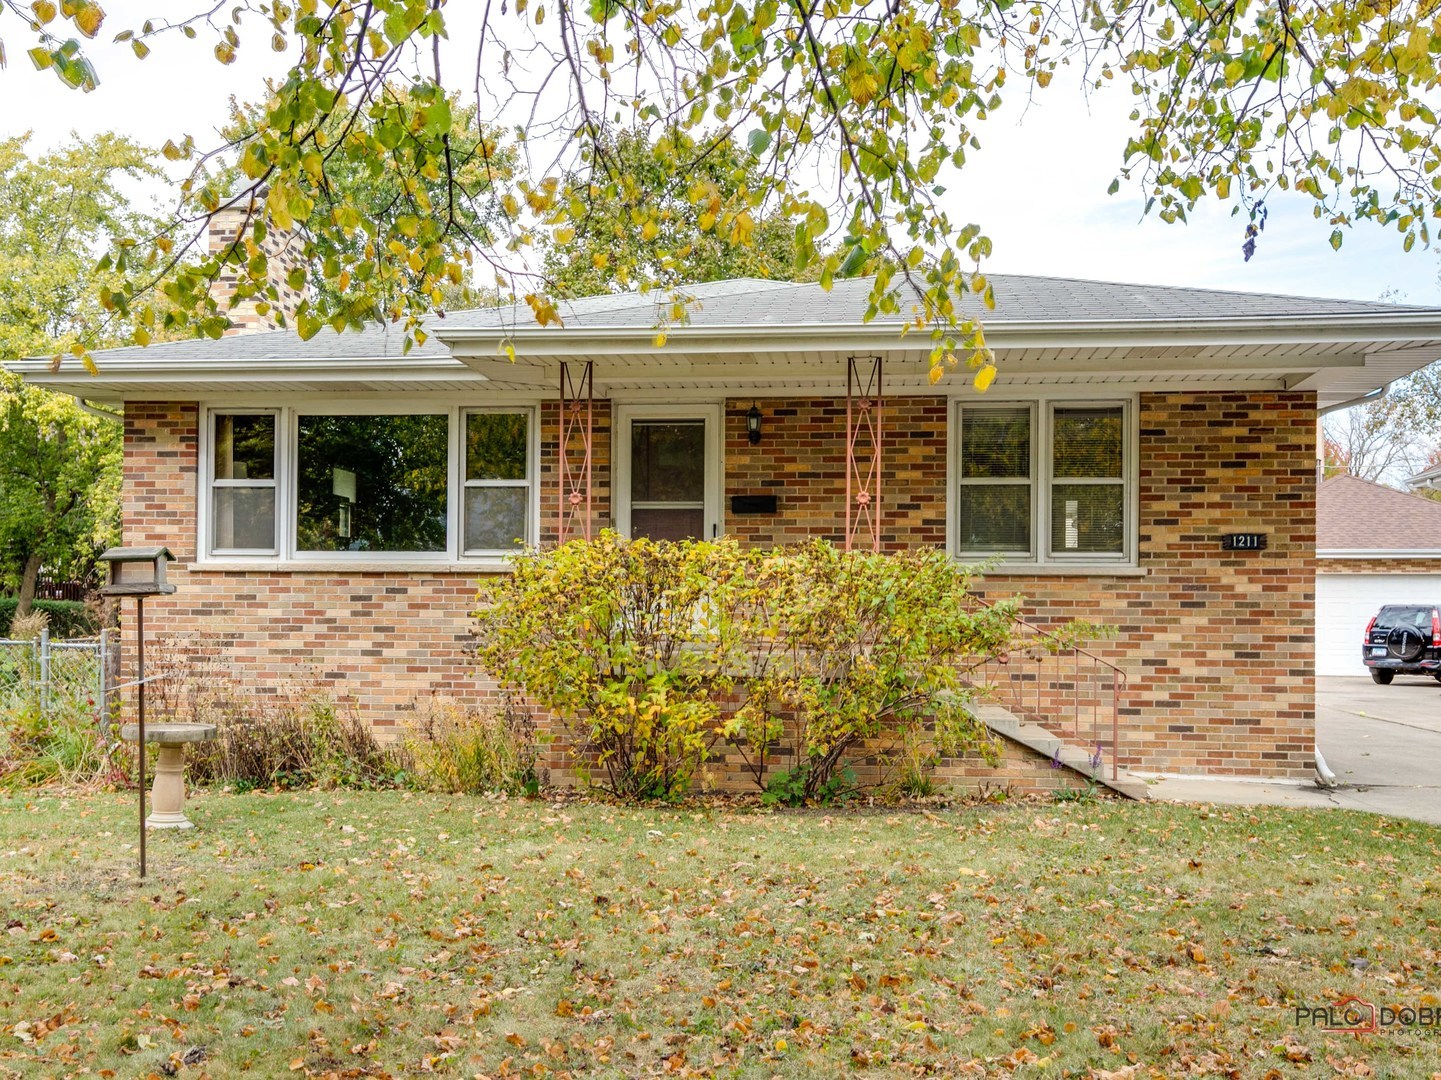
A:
848	647
65	747
633	645
469	751
67	618
792	787
627	643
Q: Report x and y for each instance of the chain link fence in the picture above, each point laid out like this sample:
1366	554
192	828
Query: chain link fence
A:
55	677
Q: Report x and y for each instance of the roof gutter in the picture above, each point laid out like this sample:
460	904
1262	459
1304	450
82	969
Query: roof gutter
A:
103	414
536	341
1373	395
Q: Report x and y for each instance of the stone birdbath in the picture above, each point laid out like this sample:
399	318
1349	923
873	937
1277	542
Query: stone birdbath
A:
167	793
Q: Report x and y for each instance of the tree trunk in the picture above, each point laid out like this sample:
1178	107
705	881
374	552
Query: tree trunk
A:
28	580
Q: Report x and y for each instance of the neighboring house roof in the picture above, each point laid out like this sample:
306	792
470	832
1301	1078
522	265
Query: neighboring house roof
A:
1356	517
775	336
1431	478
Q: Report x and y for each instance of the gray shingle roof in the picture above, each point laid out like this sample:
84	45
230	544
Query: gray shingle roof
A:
755	302
1019	298
1357	515
375	342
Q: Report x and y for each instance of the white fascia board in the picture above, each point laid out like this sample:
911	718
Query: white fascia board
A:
558	343
194	377
1379	553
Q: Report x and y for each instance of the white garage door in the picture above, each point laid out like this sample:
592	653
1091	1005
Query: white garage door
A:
1345	604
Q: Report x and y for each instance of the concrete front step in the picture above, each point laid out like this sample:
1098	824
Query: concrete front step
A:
1008	725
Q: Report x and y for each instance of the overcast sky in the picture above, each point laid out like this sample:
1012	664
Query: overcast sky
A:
1037	186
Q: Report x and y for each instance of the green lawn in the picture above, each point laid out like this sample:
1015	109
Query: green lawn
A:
350	934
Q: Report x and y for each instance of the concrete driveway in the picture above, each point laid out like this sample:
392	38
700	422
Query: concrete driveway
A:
1382	742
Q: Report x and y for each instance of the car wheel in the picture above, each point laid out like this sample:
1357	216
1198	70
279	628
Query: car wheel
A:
1382	677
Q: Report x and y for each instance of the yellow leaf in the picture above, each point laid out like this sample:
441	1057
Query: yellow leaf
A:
88	19
985	377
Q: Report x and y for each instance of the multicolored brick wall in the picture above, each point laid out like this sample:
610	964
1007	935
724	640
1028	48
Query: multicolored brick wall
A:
801	460
226	228
1217	645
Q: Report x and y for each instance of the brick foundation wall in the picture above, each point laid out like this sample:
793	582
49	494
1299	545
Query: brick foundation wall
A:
1218	645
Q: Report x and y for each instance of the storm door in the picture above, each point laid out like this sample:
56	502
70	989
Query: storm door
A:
667	472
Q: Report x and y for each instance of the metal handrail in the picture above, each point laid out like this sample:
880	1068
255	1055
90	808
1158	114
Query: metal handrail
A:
1057	647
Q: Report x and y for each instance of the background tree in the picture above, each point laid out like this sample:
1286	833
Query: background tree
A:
857	113
59	465
375	196
1376	441
640	225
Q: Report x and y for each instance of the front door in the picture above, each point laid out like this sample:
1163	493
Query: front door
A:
668	472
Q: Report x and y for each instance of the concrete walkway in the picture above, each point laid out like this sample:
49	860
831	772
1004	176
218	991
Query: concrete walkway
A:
1382	742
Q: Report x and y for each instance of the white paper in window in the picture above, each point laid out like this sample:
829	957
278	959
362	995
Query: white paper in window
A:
1073	529
343	483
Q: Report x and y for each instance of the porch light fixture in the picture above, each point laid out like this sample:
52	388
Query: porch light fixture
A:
753	424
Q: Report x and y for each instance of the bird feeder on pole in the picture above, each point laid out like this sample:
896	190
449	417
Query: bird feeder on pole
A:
138	572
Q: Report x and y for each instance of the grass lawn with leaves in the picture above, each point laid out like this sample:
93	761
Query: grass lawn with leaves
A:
376	934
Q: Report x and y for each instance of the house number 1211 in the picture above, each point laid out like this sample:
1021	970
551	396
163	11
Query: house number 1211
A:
1243	542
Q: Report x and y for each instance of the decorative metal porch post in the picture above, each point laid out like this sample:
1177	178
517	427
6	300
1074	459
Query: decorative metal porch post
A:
863	451
577	411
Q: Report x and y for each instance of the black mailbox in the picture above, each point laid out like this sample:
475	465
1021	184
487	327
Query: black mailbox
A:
753	504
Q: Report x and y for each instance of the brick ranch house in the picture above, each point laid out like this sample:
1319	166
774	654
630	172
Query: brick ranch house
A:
331	503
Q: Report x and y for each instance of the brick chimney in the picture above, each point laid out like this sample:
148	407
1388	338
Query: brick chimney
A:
282	255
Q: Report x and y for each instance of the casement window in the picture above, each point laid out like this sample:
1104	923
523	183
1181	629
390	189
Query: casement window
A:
307	484
1044	481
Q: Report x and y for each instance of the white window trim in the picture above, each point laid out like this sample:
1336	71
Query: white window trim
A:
1040	557
713	413
286	556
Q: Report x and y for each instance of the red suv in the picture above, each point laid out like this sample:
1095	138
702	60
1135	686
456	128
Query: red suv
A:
1403	639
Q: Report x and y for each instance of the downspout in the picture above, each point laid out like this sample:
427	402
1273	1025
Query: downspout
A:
90	410
1324	776
1371	395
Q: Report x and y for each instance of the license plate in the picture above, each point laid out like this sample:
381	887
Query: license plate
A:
1378	652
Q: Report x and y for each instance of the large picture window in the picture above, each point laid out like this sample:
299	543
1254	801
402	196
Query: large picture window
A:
1044	482
371	483
309	483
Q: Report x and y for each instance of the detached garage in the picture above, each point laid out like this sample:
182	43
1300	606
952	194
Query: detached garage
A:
1375	546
